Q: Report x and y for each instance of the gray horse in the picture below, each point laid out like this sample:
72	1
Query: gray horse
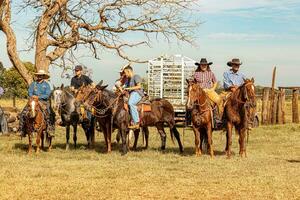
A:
65	105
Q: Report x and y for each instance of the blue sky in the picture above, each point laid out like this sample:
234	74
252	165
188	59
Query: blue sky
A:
262	33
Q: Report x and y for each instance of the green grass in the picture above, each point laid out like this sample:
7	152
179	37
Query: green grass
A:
271	170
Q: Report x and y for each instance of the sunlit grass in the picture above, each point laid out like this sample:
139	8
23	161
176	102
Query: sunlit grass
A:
271	170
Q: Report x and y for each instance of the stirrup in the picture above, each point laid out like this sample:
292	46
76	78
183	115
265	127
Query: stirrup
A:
136	126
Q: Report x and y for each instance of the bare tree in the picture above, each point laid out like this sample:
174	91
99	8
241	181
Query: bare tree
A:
62	26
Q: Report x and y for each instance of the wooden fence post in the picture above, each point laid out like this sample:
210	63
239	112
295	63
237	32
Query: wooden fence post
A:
265	105
295	106
274	108
281	107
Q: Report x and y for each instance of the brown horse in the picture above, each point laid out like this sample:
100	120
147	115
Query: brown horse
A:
201	111
110	108
239	112
35	122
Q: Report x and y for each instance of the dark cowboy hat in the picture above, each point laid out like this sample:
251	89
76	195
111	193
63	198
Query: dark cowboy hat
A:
234	61
203	61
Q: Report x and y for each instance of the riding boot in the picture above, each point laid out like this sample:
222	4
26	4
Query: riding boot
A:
50	126
218	122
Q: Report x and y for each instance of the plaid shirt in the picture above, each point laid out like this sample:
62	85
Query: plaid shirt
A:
205	79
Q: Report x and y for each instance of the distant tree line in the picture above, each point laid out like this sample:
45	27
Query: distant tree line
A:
12	82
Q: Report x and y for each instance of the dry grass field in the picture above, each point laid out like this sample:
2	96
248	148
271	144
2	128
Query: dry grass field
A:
271	170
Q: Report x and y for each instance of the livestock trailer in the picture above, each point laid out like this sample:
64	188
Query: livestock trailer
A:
167	79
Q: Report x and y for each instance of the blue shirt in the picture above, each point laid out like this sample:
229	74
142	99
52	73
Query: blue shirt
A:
42	90
231	78
134	81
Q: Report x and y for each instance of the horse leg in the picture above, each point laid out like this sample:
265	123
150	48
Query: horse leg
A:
67	137
145	136
124	145
108	135
118	137
202	133
197	141
175	132
209	141
228	139
75	135
42	138
92	131
242	135
105	137
136	138
50	143
160	128
38	141
29	143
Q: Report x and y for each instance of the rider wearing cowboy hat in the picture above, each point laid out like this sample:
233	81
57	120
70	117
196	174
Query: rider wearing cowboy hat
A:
233	78
40	89
208	82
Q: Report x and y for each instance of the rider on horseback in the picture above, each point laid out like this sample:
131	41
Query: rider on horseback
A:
208	82
134	86
233	78
40	89
80	79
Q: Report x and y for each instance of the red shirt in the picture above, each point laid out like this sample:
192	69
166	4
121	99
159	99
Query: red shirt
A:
205	79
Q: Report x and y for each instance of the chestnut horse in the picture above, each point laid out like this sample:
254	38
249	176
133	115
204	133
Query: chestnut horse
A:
110	111
201	111
239	113
35	122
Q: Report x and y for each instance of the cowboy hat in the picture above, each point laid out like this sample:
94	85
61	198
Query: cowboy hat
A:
234	61
42	72
203	61
124	67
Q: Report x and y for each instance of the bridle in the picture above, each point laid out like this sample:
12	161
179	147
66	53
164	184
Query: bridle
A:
205	103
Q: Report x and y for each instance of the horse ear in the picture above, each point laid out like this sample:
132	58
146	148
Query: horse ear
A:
62	86
103	87
187	80
252	80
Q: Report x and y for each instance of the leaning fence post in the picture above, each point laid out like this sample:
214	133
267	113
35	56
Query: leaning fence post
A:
295	106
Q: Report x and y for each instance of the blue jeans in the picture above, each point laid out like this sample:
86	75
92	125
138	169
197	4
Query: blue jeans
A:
134	99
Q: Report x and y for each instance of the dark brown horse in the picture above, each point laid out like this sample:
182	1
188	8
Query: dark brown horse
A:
35	122
110	111
201	111
239	113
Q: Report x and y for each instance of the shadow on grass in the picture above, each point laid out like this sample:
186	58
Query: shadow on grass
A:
293	161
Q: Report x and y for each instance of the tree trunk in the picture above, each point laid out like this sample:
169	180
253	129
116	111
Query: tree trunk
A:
11	41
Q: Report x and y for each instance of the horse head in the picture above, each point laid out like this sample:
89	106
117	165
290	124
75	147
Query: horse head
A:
248	91
195	94
58	96
33	104
83	93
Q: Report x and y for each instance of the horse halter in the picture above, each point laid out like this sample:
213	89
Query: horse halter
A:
193	102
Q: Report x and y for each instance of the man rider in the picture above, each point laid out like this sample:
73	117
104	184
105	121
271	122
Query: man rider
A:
134	86
40	89
233	78
80	79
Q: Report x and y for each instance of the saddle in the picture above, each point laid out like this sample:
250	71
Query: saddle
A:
143	106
